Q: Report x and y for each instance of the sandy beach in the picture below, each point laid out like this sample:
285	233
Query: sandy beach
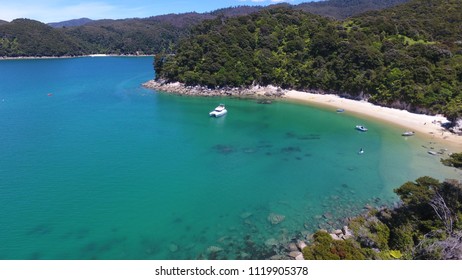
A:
428	126
423	125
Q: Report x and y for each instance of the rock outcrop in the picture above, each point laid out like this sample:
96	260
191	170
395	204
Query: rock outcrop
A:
275	219
182	89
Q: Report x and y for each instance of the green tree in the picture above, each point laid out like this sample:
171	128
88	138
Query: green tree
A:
326	248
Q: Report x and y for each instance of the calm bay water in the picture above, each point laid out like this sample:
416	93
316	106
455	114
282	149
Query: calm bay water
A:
93	166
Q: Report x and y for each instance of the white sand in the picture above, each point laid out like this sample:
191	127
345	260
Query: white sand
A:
425	125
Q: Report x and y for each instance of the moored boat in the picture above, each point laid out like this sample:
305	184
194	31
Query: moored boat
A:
408	133
361	128
219	111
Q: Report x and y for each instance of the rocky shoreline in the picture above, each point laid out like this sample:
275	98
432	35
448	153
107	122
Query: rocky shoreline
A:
294	249
182	89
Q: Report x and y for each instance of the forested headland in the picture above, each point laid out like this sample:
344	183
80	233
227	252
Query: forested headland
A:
408	56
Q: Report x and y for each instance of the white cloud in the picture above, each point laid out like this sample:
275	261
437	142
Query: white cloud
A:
51	10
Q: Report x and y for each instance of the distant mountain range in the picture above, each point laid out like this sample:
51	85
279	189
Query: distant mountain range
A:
70	23
338	9
24	37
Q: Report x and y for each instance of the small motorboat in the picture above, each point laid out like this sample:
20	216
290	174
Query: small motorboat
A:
361	128
340	110
433	153
408	133
361	151
218	111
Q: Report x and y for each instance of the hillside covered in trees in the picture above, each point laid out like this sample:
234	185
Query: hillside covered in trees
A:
409	56
151	35
25	37
341	9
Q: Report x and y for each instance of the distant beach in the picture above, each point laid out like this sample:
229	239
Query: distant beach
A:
71	56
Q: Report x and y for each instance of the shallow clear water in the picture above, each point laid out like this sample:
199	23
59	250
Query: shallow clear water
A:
93	166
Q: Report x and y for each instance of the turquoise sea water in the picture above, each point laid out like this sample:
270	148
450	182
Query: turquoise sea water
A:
93	166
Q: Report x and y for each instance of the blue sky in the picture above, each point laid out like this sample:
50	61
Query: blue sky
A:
60	10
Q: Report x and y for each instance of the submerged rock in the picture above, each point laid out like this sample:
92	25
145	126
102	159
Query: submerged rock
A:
279	257
264	101
223	149
173	248
271	242
246	215
214	249
293	246
327	216
275	219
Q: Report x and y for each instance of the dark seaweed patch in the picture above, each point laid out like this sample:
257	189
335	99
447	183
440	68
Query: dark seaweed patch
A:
151	247
304	137
177	220
224	149
310	137
291	149
77	234
35	256
42	229
290	135
249	150
96	248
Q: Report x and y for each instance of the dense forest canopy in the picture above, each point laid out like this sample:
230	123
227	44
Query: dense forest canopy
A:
341	9
409	56
140	35
36	38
